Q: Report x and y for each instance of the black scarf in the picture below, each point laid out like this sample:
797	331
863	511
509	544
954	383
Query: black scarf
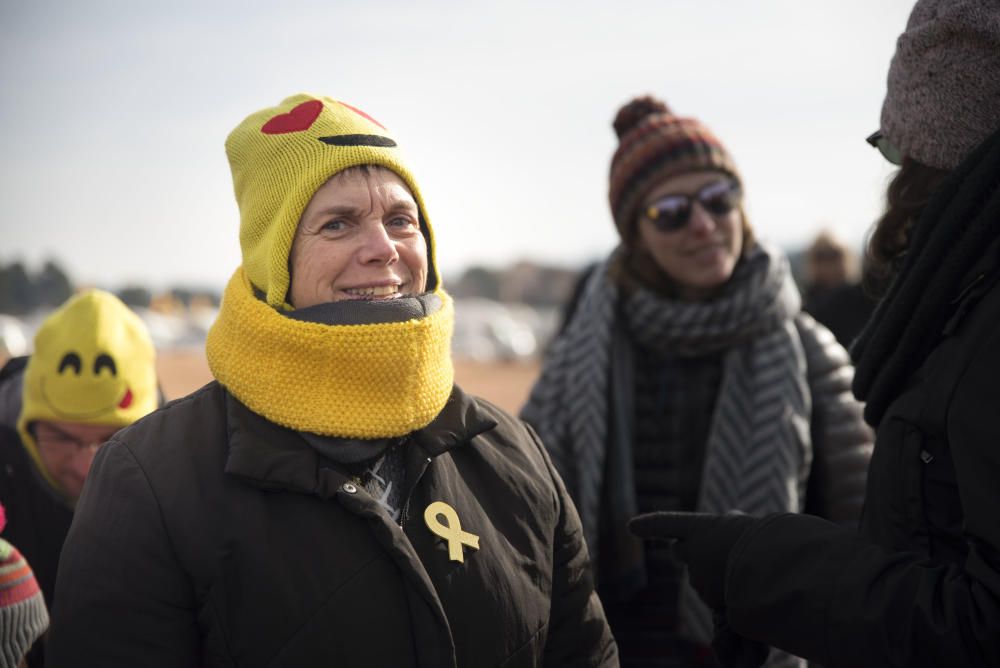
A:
959	224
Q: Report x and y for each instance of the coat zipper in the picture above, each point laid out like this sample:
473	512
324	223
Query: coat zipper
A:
406	504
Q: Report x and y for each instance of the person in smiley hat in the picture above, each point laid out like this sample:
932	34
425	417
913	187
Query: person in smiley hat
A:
92	372
332	498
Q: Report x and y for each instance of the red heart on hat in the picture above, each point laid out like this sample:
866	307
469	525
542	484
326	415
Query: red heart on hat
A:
298	119
361	113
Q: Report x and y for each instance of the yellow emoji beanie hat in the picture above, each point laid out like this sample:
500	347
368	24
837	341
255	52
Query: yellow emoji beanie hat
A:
384	373
93	363
280	156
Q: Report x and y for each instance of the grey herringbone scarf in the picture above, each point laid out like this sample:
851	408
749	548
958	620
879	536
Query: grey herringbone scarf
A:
758	451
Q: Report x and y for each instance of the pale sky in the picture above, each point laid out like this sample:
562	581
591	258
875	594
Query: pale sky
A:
113	116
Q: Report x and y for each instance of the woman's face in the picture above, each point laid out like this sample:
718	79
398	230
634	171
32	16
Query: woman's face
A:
359	238
699	256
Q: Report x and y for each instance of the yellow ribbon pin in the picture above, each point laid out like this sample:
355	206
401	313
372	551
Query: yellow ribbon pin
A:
452	531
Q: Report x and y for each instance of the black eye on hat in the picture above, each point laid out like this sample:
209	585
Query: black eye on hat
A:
72	360
358	140
104	361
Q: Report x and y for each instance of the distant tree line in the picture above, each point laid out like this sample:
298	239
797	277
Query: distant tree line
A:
23	291
523	282
137	296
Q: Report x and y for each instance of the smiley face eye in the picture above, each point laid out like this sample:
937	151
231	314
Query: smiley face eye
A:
70	360
104	362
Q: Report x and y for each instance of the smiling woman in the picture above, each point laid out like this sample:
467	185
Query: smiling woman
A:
408	523
688	380
359	238
695	239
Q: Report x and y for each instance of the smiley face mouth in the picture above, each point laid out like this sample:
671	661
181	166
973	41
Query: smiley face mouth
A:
120	398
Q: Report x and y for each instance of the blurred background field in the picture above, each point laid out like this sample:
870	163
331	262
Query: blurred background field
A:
504	319
183	370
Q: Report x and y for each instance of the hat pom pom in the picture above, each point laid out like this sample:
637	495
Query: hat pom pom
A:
635	111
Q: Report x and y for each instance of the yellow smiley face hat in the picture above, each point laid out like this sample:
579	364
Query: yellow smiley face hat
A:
369	380
93	363
280	156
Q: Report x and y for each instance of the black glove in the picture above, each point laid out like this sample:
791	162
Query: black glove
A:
704	542
733	650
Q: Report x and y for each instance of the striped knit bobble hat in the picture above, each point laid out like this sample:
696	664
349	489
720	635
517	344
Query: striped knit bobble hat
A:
654	145
943	89
23	616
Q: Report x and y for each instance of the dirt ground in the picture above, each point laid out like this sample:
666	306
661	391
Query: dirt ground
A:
505	384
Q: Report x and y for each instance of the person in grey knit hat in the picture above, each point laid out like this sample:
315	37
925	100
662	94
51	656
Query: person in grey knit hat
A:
943	94
919	585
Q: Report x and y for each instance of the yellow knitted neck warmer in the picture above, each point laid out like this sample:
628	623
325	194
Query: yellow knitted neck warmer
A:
352	381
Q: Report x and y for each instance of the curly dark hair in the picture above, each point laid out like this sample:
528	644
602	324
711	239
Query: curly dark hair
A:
907	194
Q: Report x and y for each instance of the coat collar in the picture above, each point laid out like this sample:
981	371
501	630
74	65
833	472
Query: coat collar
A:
459	421
975	283
272	457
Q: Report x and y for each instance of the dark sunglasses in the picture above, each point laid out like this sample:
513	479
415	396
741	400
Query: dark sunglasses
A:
672	212
888	151
827	254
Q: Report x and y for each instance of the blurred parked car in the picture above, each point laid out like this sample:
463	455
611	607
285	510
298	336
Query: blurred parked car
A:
486	330
14	337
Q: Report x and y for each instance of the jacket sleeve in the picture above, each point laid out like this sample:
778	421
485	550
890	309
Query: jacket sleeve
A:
817	590
821	592
842	441
122	598
578	632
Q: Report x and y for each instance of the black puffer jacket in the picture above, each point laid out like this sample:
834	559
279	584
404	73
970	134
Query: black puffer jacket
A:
207	535
922	586
38	517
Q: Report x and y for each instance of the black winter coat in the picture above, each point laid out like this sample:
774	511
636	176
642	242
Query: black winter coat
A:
207	535
38	519
921	587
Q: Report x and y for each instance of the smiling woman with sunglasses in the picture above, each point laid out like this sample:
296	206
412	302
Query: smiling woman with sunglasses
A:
687	379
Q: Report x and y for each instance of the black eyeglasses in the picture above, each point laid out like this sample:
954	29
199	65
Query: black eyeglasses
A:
888	151
672	212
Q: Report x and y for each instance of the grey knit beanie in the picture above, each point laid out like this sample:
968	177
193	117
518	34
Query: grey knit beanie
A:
943	95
